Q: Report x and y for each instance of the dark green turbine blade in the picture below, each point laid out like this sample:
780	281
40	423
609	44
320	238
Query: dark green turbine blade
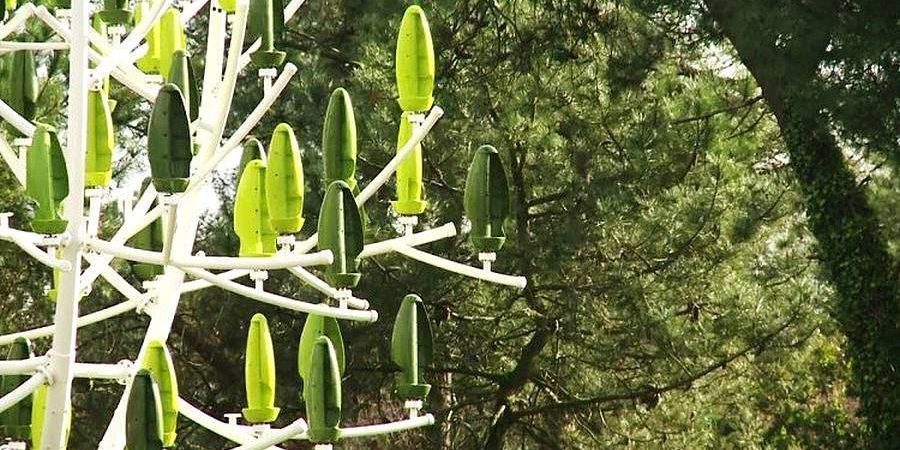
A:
143	416
487	199
412	347
169	141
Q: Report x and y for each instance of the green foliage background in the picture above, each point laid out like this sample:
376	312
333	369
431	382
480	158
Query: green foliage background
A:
677	294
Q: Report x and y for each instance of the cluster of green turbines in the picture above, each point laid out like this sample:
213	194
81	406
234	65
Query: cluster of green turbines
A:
268	205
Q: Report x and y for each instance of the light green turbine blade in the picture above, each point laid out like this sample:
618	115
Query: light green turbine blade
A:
259	373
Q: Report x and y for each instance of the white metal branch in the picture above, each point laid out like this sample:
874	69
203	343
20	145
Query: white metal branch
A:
22	366
23	390
190	10
16	120
386	173
130	76
22	13
212	71
196	285
120	52
187	13
424	237
35	252
236	433
325	288
274	437
277	261
413	240
462	269
382	429
234	142
87	319
12	46
99	371
284	302
63	349
116	280
140	218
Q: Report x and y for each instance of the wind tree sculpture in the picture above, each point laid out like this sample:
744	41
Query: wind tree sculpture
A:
143	47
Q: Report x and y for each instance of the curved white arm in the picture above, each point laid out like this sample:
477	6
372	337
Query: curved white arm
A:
16	120
21	366
196	285
215	58
36	253
87	319
462	269
116	280
24	390
423	237
98	371
421	131
189	11
325	288
387	428
274	437
381	429
125	252
225	90
292	9
277	261
21	14
283	302
128	75
235	433
138	220
11	46
27	236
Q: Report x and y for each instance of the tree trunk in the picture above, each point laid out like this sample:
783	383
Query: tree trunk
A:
854	253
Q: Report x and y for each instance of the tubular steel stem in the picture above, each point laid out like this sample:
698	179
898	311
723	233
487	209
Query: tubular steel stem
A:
11	46
188	216
278	261
62	353
412	240
137	222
